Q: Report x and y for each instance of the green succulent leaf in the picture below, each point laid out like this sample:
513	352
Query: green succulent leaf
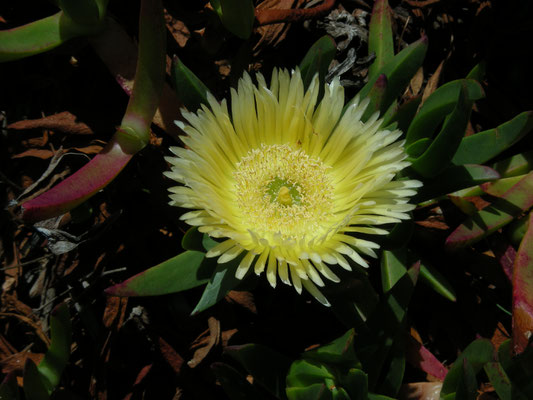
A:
399	70
317	60
483	146
404	114
512	203
518	164
356	384
438	105
190	90
477	353
340	352
376	96
184	271
237	16
499	379
56	357
380	40
83	12
303	373
221	282
442	149
35	387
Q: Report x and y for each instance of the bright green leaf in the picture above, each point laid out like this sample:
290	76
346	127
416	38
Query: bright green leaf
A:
184	271
340	352
483	146
441	150
438	105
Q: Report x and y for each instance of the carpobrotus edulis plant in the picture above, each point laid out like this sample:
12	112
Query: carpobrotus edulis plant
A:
288	181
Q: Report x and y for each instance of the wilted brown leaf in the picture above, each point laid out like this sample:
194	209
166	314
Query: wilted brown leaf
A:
205	342
63	121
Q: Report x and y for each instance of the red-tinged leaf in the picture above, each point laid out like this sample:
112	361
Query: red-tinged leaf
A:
77	188
517	199
380	40
523	291
420	357
376	96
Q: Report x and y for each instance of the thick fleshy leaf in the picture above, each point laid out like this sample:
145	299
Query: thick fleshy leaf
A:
34	385
317	60
185	271
393	267
380	40
190	90
234	383
441	150
83	12
340	352
483	146
40	36
516	200
399	70
455	178
376	96
478	353
438	105
478	72
80	186
237	16
523	291
56	357
435	280
518	164
303	373
356	384
404	114
268	367
498	187
420	357
467	384
149	73
499	380
133	134
221	282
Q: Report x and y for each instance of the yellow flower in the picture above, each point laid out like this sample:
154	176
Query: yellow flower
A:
288	182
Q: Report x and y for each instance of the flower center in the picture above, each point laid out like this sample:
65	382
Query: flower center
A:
282	191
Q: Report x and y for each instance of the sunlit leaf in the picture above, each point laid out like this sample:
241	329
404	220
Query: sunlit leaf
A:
511	204
483	146
438	105
184	271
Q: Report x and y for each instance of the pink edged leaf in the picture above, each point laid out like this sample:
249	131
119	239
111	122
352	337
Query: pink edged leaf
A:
130	137
380	40
523	291
517	199
420	357
80	186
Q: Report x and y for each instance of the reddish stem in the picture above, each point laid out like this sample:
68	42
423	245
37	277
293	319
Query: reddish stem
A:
270	16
